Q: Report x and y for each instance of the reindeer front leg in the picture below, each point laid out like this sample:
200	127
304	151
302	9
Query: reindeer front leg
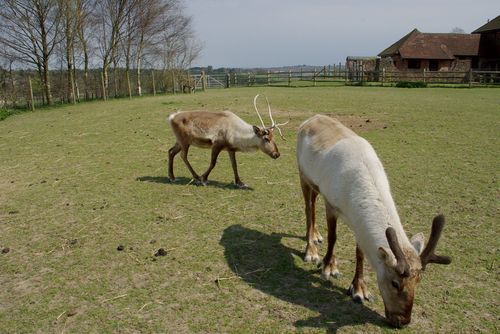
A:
358	289
237	181
215	153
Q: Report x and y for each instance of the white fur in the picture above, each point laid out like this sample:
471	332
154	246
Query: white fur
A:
351	179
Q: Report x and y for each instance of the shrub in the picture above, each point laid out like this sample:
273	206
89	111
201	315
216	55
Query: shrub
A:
411	84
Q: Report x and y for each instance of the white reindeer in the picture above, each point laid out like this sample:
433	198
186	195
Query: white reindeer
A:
343	167
219	131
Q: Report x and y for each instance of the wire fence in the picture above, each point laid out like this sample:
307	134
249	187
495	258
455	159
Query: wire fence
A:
23	89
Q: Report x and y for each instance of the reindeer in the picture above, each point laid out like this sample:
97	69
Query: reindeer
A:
344	168
220	131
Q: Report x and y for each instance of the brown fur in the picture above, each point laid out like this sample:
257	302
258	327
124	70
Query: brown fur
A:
209	130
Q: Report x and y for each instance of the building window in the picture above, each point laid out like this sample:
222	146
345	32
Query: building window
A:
433	65
414	64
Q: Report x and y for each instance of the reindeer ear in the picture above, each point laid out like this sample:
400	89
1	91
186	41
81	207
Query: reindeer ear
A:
386	255
418	242
257	130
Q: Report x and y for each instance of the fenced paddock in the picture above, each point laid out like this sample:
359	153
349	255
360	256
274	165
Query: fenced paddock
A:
78	181
339	75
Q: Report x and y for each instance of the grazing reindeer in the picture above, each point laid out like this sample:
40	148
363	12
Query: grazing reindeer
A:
219	131
343	167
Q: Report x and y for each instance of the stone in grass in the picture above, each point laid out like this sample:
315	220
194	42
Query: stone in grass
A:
120	248
5	250
161	252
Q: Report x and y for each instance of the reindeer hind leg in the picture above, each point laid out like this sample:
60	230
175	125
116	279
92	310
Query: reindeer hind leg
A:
172	152
184	155
309	201
330	261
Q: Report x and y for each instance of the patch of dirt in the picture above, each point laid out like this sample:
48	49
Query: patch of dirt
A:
357	123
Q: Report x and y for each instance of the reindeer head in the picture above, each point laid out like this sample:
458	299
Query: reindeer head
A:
267	143
265	134
403	269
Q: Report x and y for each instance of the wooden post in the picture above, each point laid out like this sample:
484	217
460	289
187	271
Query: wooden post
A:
103	87
324	72
383	76
248	79
301	74
228	80
424	74
314	77
268	77
203	83
470	77
173	82
32	100
128	86
235	79
153	79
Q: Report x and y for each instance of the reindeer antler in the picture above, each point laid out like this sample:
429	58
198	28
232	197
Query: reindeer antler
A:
402	266
273	124
257	111
428	255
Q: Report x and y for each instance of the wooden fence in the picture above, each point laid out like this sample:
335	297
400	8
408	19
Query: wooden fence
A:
342	76
22	89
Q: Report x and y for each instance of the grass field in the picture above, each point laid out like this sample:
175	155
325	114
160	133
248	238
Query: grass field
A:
76	182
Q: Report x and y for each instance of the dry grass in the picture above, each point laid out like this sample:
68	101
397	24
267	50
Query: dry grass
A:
77	182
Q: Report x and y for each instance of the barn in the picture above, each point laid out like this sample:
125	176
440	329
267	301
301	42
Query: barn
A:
433	52
489	45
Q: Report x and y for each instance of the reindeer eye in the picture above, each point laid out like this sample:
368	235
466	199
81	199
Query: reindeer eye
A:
395	284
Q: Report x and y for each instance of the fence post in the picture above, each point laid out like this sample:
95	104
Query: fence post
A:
289	78
173	82
383	76
153	78
202	78
268	77
248	80
32	100
424	74
228	80
128	86
103	87
235	79
314	77
470	77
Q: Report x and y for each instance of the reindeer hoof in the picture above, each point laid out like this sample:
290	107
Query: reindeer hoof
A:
312	258
242	186
172	179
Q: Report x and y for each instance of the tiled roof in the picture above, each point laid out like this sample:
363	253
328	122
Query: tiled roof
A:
418	45
490	26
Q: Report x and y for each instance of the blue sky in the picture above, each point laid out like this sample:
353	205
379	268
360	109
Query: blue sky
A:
253	33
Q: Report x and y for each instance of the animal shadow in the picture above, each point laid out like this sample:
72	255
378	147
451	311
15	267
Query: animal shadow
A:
184	181
266	264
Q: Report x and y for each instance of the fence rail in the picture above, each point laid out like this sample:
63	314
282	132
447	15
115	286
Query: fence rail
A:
345	76
22	89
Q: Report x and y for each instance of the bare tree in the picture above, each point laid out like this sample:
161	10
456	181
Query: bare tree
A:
111	16
29	30
458	30
84	33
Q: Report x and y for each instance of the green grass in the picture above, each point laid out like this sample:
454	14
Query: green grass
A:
77	181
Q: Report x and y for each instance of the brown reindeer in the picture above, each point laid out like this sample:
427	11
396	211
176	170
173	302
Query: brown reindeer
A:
219	131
